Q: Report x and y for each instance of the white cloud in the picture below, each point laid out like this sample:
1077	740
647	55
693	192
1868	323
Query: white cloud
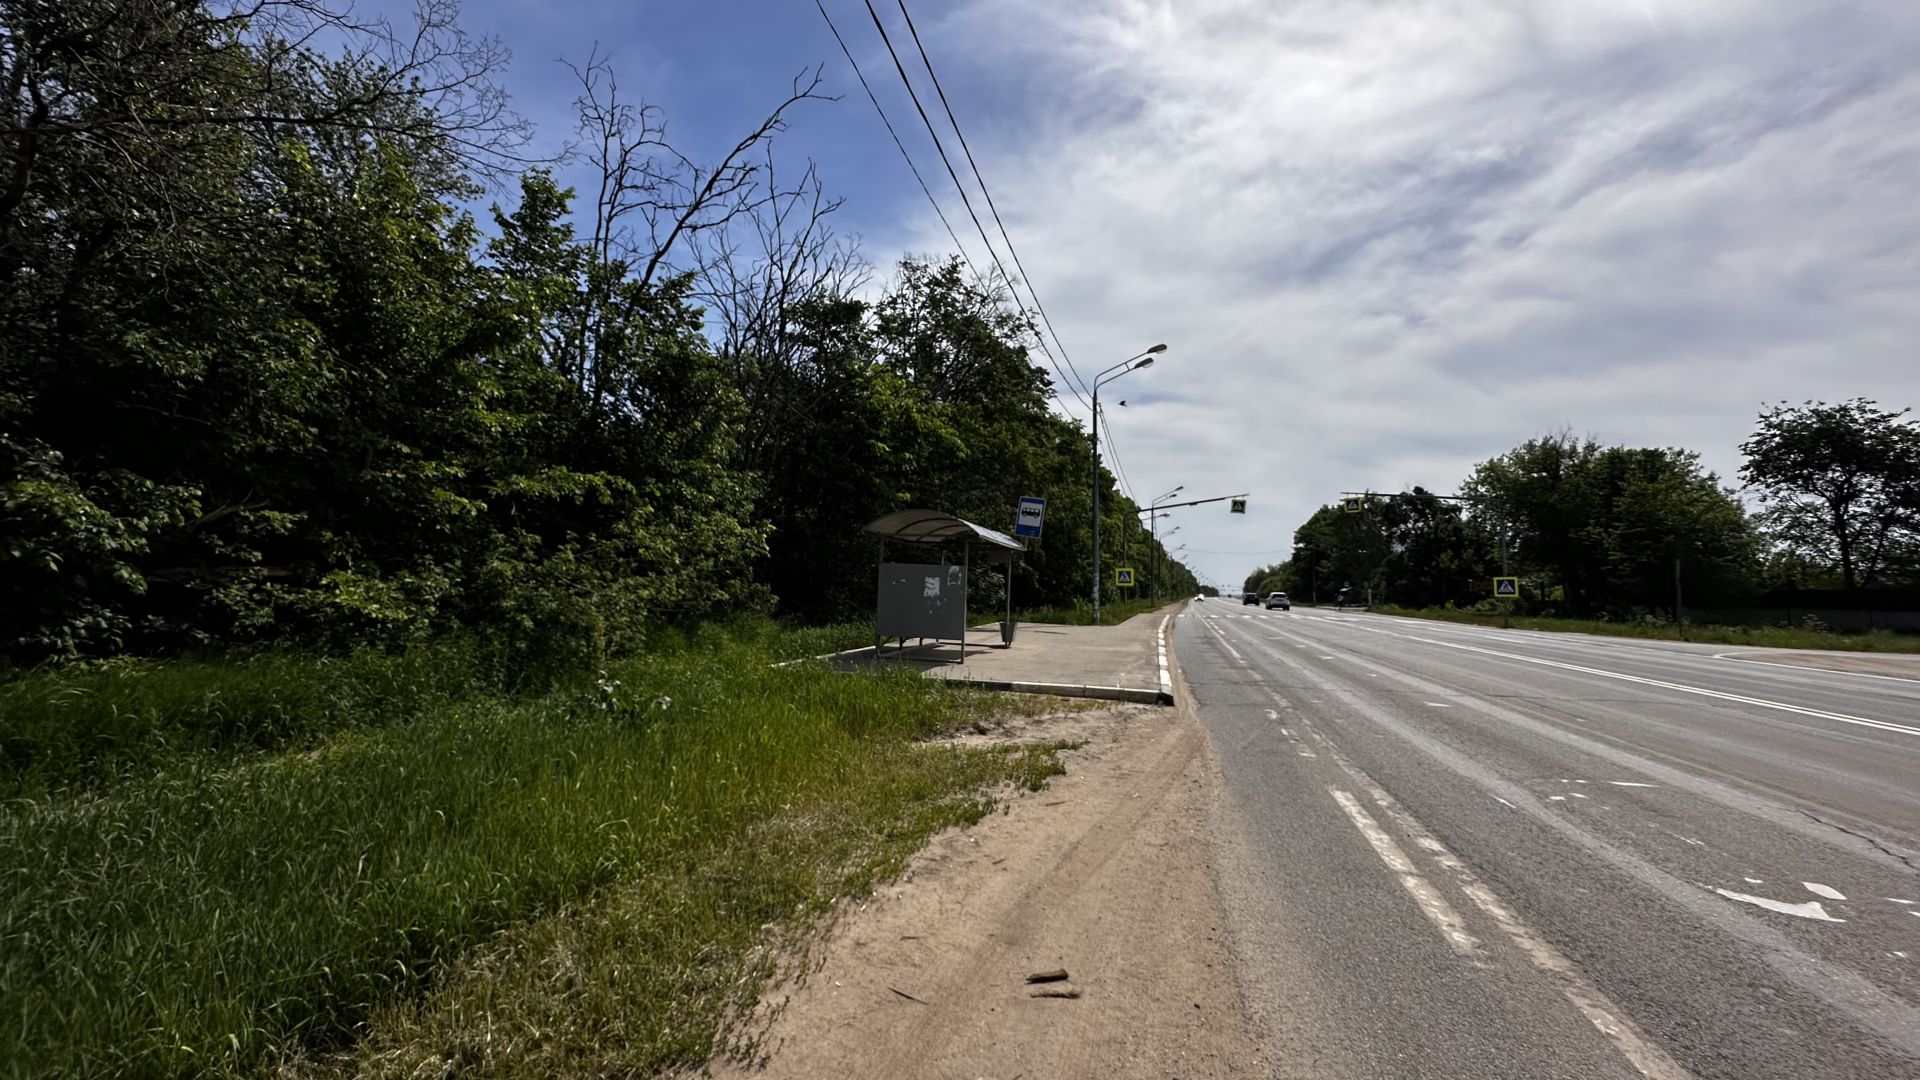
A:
1389	239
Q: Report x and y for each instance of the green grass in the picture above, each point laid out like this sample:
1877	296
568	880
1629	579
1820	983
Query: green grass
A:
97	723
592	868
1772	637
1081	614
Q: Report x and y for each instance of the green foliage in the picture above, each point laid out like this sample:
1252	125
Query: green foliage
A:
1809	635
1842	487
88	724
1597	529
1605	524
223	911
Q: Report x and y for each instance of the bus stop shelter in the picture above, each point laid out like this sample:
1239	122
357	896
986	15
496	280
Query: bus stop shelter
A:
928	600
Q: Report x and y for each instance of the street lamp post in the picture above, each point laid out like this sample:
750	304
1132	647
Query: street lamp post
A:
1153	527
1131	363
1160	562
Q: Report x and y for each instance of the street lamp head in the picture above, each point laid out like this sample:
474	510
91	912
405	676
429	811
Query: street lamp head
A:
1162	347
1148	362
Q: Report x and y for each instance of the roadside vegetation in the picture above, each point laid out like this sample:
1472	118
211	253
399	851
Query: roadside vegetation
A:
1771	637
386	653
1081	613
280	862
1826	525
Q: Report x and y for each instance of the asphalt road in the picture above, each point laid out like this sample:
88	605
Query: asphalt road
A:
1458	852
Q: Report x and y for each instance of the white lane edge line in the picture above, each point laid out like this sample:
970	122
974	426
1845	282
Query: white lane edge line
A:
1682	687
1431	903
1645	1056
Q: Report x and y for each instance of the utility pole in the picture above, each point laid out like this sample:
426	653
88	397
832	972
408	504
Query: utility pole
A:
1679	609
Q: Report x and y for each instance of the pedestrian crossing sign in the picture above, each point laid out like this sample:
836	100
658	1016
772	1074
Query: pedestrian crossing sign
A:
1506	588
1123	577
1351	506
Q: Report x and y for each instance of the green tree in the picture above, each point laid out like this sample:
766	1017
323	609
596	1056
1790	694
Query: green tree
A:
1841	486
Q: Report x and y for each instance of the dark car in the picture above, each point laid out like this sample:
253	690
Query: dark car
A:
1279	600
1249	598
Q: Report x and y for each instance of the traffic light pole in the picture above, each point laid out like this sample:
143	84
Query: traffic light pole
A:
1153	526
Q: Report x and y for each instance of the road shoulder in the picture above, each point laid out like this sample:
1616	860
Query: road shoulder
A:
1106	873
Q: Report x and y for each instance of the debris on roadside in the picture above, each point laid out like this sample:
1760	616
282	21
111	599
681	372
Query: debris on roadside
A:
1056	975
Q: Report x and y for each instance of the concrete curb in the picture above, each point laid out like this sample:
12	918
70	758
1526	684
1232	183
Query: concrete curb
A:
1138	695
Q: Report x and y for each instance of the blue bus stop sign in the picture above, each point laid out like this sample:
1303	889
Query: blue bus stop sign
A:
1030	516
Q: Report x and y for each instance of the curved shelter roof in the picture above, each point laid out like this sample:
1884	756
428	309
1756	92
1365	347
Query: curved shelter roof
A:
934	527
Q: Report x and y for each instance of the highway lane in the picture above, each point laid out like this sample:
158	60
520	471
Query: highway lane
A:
1461	852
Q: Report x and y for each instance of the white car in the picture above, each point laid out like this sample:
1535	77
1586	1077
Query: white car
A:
1279	600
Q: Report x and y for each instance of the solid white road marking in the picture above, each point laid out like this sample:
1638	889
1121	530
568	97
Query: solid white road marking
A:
1628	783
1602	1013
1755	881
1432	904
1897	900
1809	910
1437	704
1827	891
1682	687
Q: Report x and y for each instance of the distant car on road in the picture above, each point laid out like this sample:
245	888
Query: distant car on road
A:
1249	598
1279	600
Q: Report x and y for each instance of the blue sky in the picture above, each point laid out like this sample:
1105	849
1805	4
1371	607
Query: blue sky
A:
1385	239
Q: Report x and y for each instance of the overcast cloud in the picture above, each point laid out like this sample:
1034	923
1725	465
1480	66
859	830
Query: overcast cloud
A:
1386	240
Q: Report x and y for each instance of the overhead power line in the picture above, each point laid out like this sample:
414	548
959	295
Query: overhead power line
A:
941	148
986	191
848	53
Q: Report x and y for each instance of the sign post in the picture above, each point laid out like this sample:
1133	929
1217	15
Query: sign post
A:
1508	589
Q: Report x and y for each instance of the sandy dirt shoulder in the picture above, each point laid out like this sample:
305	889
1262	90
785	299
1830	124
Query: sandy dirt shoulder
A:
1107	873
1894	665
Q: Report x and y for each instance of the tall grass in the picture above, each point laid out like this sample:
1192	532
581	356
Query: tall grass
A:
1772	637
99	722
1081	613
225	910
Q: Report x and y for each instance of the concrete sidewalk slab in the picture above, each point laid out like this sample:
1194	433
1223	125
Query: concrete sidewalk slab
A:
1126	662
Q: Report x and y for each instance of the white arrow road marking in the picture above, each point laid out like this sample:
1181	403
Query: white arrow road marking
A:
1809	910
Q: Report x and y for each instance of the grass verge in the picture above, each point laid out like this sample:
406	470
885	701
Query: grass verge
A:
499	885
1082	614
1771	637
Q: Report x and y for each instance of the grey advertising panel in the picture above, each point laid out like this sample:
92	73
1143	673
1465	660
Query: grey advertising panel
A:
922	600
